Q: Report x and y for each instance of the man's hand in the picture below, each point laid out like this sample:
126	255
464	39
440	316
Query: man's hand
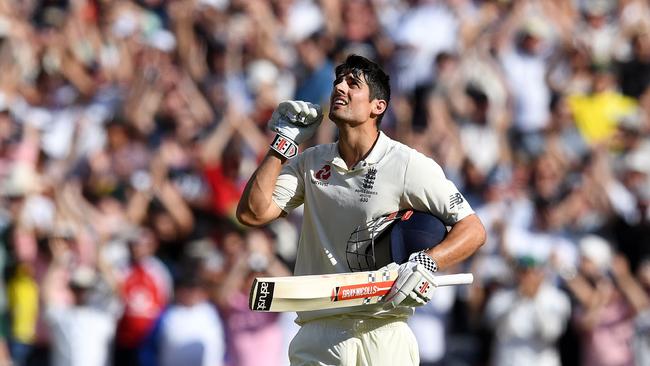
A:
415	282
294	122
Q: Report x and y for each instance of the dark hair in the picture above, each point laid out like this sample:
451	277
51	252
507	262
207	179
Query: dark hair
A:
377	80
188	274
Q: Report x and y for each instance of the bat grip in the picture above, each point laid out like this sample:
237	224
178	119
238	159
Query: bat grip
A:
454	279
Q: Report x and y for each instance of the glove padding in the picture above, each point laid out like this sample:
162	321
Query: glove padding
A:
414	285
295	122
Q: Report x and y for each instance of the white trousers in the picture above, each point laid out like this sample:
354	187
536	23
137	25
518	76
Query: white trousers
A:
349	342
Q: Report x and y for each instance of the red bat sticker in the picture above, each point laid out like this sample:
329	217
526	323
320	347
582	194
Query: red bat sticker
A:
360	291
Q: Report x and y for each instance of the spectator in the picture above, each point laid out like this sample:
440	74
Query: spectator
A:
189	331
316	70
24	304
637	288
417	43
603	317
246	330
81	333
525	67
599	34
529	319
475	131
634	74
598	112
145	288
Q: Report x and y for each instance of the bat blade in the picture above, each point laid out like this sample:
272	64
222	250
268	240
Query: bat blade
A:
330	291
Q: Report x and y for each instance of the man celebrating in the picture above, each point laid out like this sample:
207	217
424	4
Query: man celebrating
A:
364	175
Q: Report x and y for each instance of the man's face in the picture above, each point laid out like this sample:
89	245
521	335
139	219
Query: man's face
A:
350	100
143	246
531	44
530	280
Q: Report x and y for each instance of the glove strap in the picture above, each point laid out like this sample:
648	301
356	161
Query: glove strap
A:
284	146
425	260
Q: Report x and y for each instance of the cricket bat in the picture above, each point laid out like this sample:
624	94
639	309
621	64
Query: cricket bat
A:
329	291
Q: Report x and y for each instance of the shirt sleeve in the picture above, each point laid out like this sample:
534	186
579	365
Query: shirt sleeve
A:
427	189
289	190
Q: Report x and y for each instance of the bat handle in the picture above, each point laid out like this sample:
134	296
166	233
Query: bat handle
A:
454	279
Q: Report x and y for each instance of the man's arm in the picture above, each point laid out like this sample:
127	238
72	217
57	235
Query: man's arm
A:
427	189
416	281
256	206
294	122
464	238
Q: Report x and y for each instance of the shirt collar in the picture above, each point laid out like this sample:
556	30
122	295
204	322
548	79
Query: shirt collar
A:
378	151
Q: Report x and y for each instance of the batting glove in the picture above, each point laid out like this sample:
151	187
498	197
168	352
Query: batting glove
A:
295	122
415	282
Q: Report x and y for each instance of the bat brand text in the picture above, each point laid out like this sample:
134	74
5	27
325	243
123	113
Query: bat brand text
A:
264	295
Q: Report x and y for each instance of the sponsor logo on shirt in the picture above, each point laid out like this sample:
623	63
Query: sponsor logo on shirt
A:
322	175
456	200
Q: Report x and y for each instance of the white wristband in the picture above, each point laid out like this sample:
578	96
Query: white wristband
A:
284	146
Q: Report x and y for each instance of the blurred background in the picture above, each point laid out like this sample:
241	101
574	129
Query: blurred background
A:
128	129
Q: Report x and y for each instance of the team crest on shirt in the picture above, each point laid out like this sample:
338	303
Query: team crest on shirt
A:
366	191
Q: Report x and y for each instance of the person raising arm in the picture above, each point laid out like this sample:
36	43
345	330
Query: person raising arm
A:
361	177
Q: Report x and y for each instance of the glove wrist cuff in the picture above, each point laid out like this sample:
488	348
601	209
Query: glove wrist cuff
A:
429	263
284	146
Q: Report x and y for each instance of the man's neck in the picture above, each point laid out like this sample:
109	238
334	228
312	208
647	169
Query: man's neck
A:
356	143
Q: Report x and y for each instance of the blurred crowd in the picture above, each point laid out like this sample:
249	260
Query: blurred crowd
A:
128	129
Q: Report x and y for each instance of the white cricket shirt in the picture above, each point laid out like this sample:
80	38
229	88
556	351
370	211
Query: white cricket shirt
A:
337	199
81	335
192	335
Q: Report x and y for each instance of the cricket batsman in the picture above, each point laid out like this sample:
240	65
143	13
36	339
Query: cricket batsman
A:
361	177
